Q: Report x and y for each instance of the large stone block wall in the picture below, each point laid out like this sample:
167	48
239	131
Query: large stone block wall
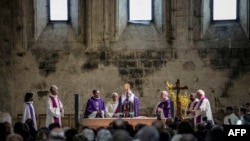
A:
218	62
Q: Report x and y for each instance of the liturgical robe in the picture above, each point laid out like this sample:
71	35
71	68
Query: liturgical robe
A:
94	105
166	106
203	109
127	105
191	107
110	108
29	113
54	110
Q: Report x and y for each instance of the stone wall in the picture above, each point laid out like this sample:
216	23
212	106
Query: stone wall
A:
86	54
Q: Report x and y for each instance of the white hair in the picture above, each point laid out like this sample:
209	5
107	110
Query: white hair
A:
165	93
201	92
114	93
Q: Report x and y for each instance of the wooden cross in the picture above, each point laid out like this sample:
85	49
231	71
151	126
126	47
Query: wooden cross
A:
178	102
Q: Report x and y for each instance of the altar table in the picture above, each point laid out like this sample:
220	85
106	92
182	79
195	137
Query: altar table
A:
104	122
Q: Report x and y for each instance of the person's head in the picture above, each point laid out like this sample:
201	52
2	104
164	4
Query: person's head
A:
185	126
80	137
57	134
164	95
96	93
115	96
158	124
200	94
28	97
42	134
188	137
14	137
54	126
54	90
70	133
103	135
192	96
121	135
89	133
147	133
216	133
29	122
22	129
118	124
229	110
242	111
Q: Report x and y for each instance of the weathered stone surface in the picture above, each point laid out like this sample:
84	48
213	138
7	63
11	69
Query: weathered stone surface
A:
99	49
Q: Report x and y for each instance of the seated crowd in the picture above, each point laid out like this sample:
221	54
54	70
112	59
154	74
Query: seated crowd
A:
118	130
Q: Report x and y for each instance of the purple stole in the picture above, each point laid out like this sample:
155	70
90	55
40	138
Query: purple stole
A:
56	119
161	105
198	119
97	108
31	111
125	107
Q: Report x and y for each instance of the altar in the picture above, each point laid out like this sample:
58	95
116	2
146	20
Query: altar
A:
104	122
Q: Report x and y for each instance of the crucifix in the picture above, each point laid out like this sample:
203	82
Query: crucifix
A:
178	102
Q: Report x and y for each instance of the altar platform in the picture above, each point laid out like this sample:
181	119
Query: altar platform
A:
104	122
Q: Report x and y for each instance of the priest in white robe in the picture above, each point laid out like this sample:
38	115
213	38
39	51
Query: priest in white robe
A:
202	109
191	105
54	107
112	106
28	109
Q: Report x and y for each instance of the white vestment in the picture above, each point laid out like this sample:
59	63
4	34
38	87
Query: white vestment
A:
230	118
203	110
191	108
28	109
54	111
110	108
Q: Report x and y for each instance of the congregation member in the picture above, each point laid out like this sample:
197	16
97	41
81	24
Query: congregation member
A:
54	106
192	103
95	107
202	109
111	106
163	107
28	109
128	103
230	118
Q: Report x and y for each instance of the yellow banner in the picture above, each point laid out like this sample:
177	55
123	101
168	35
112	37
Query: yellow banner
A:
184	97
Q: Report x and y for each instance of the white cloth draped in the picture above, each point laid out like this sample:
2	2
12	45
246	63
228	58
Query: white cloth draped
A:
27	113
191	107
203	110
110	108
54	111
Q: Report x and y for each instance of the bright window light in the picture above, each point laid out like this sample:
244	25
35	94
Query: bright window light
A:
58	10
140	10
224	9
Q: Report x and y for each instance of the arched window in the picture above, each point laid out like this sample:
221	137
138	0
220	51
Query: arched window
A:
140	11
58	10
224	10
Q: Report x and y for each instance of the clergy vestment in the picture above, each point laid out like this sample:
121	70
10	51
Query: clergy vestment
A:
110	108
29	113
93	106
54	110
128	105
203	109
165	105
191	107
